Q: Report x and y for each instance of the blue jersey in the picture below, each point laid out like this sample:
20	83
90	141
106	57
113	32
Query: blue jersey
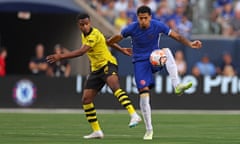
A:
144	41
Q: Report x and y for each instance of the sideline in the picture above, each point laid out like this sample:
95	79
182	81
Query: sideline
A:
117	111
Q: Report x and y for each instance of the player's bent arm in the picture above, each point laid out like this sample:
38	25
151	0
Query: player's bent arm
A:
193	44
112	42
114	39
180	38
116	46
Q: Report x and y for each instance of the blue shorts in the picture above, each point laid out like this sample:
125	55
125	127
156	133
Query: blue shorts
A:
143	71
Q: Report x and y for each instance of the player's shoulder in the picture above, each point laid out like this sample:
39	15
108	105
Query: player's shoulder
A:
95	33
157	22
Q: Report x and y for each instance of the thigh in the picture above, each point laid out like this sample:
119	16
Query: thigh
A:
143	74
111	76
94	81
113	82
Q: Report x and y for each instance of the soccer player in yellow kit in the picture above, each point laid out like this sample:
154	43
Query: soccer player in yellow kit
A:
103	70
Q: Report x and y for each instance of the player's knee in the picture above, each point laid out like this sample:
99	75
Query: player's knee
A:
144	93
113	82
86	100
114	85
114	88
165	50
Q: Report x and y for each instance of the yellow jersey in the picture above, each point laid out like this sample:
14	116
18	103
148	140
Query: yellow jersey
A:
99	54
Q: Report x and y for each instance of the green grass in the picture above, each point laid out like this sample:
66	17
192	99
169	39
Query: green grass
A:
23	128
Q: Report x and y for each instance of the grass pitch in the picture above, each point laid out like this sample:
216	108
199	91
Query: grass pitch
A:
43	128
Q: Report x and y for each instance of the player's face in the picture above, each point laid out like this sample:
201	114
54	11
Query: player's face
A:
84	25
144	20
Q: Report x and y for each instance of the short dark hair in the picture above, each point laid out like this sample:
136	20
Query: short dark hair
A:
144	9
82	16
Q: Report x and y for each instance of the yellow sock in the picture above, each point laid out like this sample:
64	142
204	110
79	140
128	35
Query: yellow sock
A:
125	101
131	110
90	113
95	126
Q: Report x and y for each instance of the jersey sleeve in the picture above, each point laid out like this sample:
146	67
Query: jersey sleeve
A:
164	29
91	40
126	32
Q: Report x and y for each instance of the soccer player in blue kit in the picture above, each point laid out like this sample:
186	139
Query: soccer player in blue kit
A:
145	34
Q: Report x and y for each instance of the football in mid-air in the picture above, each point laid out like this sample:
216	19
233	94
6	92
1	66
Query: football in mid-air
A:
158	57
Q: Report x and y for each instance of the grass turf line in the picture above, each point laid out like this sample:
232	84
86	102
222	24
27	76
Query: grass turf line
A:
29	128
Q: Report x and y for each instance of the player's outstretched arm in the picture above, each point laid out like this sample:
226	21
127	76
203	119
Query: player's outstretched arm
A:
78	52
112	42
193	44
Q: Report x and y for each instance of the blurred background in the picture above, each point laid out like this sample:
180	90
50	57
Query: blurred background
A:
32	29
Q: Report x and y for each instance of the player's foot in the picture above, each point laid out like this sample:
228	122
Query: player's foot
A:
134	121
179	90
95	135
148	135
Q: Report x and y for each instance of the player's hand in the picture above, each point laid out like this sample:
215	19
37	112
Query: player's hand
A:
53	58
196	44
127	51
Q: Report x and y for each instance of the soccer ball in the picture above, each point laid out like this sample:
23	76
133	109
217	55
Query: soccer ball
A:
158	57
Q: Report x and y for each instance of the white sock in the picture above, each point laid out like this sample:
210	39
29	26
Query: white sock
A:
146	110
172	67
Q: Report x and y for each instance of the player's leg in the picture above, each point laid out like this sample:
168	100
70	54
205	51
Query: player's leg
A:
146	112
144	79
171	67
90	112
113	82
173	73
92	85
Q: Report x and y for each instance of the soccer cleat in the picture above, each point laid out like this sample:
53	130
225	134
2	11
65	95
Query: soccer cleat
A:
94	135
179	90
148	135
134	121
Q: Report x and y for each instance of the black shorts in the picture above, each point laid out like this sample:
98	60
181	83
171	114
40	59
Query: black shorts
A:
97	79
